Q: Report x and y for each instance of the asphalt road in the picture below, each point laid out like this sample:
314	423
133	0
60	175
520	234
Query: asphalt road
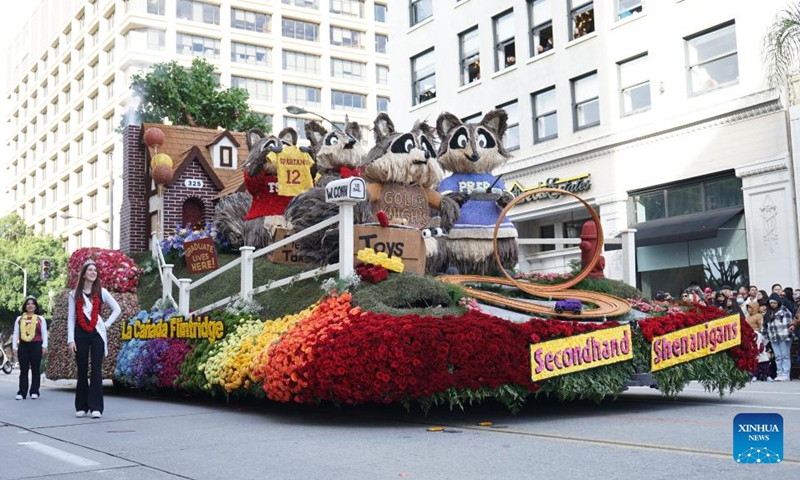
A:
639	436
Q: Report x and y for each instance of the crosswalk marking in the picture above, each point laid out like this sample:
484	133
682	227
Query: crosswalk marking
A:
59	454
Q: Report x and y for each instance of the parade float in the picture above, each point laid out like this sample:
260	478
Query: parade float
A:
369	331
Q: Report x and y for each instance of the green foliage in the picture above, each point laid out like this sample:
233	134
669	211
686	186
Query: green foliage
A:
781	50
512	396
403	294
611	287
594	384
191	96
18	244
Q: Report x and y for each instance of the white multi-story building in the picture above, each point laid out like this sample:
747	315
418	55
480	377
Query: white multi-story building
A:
68	80
656	112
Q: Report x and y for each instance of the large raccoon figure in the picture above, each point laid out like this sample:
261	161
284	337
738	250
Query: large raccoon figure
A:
402	176
471	152
337	154
238	217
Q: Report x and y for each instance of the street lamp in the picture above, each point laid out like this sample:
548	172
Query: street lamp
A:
295	110
24	277
67	216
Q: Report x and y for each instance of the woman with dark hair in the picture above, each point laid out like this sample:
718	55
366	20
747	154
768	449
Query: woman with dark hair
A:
719	300
86	333
761	297
29	343
788	300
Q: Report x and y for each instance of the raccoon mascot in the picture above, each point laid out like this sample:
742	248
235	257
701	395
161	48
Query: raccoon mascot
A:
471	152
402	165
337	154
242	220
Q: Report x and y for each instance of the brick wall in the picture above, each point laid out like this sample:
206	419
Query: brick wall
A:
177	193
134	226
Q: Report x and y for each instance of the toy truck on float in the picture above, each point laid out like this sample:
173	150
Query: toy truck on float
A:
570	305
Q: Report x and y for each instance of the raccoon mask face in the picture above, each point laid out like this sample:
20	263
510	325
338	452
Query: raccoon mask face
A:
332	150
472	147
406	158
260	145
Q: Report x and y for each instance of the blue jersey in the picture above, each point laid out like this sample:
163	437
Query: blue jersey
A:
478	217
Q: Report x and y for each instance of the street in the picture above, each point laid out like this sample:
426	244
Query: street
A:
641	435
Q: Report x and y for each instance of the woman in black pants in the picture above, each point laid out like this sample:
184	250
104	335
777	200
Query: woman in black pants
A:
86	332
29	344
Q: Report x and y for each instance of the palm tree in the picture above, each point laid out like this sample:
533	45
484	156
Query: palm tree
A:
782	46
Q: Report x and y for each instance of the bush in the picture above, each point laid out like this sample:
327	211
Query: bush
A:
611	287
402	294
117	272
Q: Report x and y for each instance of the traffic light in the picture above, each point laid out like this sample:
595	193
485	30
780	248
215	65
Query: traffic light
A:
45	271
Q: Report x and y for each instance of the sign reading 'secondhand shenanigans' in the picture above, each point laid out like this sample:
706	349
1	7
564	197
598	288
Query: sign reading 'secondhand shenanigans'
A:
175	327
694	342
580	352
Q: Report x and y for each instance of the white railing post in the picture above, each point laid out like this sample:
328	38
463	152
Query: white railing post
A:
183	299
345	240
247	272
166	281
154	247
629	256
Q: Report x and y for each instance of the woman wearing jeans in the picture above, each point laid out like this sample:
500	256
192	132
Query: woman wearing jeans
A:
776	328
86	333
29	344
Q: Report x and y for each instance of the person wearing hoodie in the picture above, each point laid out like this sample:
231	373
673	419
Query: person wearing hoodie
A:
754	317
776	329
788	300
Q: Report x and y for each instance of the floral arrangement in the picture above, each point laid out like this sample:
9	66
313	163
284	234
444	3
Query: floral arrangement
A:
172	246
368	255
243	306
537	277
470	303
654	308
334	286
117	272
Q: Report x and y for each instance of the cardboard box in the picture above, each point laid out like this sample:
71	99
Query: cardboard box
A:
287	254
406	243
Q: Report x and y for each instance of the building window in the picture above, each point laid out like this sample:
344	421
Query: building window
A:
713	60
250	54
511	141
250	21
298	124
582	18
547	231
381	43
352	8
626	8
348	70
300	30
710	194
351	102
301	95
505	47
344	37
420	10
585	101
258	89
541	21
198	46
383	104
226	157
382	74
301	62
423	77
156	40
545	115
301	3
634	85
198	12
469	45
381	11
156	7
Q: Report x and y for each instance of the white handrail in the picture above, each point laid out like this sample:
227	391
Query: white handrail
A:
291	239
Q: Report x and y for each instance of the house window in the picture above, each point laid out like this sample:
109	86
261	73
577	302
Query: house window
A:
301	95
344	37
626	8
250	54
541	21
380	13
226	157
545	115
511	141
420	10
713	60
299	30
469	43
257	89
383	104
423	77
382	74
585	101
351	102
582	18
348	70
197	46
381	43
300	62
504	44
250	21
301	3
156	7
634	85
198	12
353	8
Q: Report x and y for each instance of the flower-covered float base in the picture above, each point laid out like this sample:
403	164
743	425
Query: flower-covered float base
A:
334	352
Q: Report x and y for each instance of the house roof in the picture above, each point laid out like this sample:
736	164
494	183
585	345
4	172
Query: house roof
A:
184	143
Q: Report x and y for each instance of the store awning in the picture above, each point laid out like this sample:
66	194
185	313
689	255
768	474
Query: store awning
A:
695	226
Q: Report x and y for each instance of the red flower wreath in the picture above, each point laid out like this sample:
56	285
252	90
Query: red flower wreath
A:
88	327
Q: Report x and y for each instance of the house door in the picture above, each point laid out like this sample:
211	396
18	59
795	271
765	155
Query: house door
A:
192	213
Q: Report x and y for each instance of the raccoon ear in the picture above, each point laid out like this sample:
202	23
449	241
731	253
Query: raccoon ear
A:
383	127
496	120
288	135
424	128
254	136
315	133
354	130
446	122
